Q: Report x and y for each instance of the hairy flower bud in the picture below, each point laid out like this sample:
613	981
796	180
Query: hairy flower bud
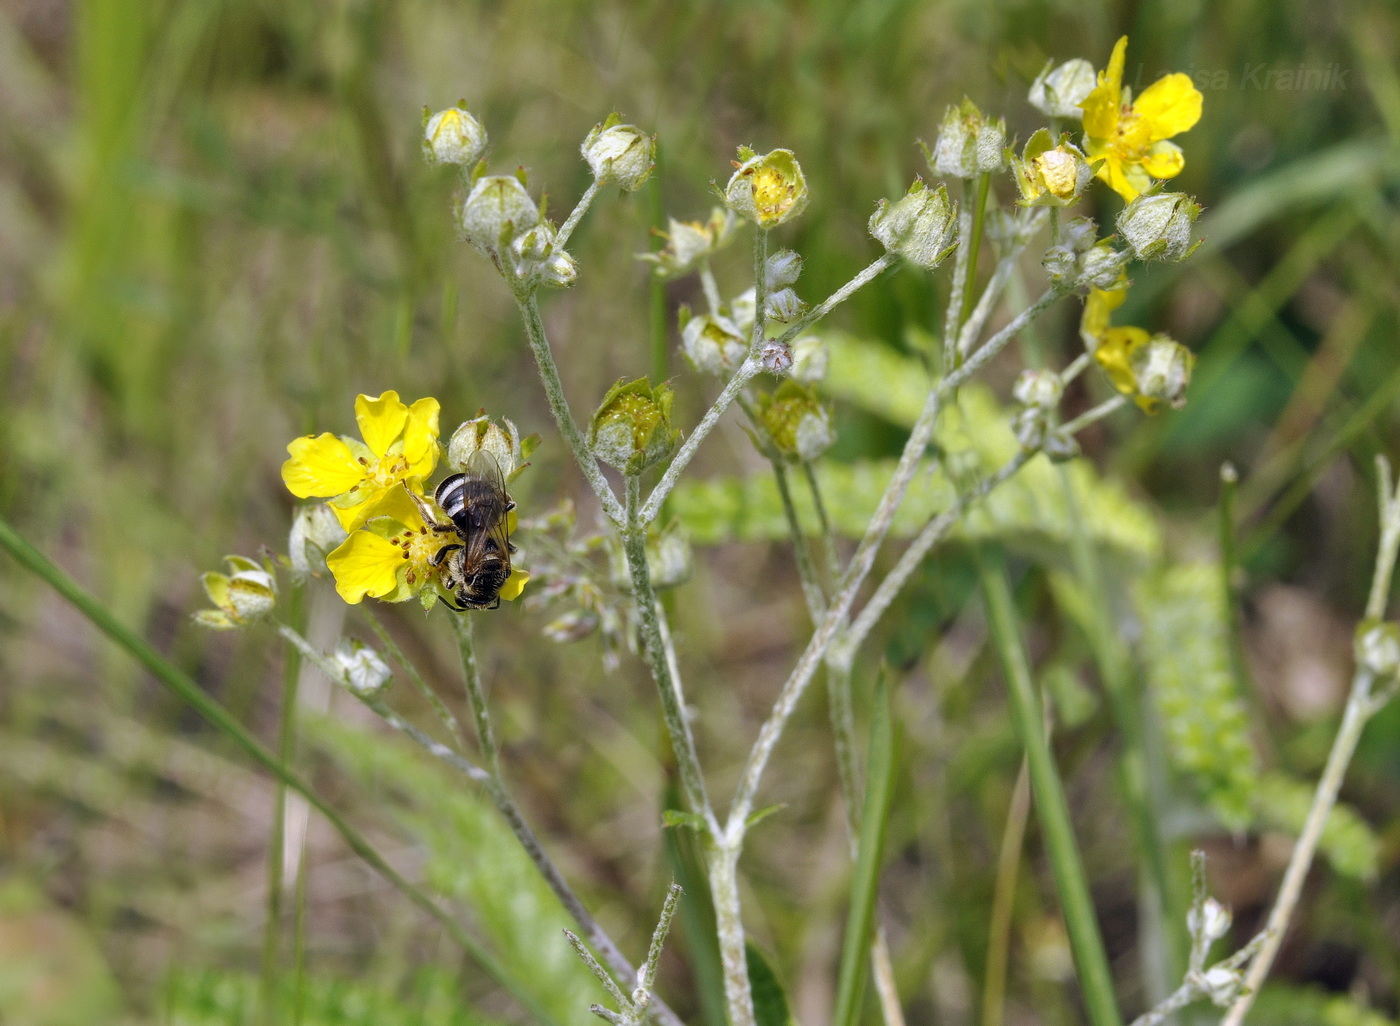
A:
363	670
1157	225
632	428
796	422
1041	389
968	143
315	534
241	597
713	344
1050	174
768	189
776	357
535	256
921	226
1059	92
501	441
690	242
496	212
1377	648
453	136
1209	923
621	154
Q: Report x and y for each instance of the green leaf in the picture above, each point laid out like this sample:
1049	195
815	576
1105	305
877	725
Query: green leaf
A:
1349	844
764	813
1029	512
865	882
1186	653
677	818
770	1004
472	856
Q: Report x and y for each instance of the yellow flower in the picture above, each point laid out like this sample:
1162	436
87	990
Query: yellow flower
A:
391	558
1130	137
362	479
1152	370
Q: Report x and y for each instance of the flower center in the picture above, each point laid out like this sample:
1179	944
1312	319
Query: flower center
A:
419	545
386	471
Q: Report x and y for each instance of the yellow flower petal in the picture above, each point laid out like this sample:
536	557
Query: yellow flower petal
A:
420	435
1164	160
1168	106
515	584
1101	107
320	467
365	564
381	420
216	587
1114	355
1097	308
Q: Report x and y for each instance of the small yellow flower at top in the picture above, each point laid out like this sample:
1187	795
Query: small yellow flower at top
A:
1130	137
364	479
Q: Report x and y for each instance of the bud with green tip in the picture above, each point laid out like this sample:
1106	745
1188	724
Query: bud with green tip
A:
1377	648
453	136
712	344
1157	225
796	422
315	534
501	441
1058	93
768	189
497	211
241	597
363	671
921	226
1051	174
632	428
968	144
621	154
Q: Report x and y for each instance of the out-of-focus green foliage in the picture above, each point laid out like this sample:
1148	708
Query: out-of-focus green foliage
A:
1304	1006
473	857
1186	658
1348	843
1029	511
213	998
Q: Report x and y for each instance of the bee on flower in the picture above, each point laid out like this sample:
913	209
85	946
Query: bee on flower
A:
453	547
1130	136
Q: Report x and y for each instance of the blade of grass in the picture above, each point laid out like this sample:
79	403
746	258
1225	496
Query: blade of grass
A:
184	688
1052	811
865	883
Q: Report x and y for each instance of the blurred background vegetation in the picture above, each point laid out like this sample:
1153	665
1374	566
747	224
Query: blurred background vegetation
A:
216	229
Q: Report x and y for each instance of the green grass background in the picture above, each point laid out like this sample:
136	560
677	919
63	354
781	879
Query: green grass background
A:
216	229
